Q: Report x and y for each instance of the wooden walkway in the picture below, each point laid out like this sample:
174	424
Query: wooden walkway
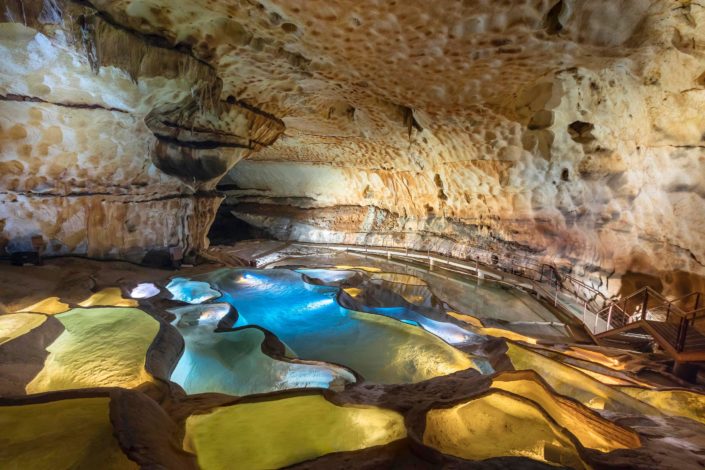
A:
636	320
665	334
646	315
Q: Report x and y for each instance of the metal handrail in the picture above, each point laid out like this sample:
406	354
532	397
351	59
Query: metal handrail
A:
617	313
697	295
613	313
696	313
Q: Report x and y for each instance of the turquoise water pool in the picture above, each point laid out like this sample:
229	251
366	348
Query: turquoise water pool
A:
235	362
388	346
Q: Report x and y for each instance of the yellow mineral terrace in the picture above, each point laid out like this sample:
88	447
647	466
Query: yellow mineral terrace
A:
359	234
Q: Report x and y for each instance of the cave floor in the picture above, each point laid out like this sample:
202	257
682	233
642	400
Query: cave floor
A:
319	361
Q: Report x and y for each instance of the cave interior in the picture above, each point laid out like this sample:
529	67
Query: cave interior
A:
352	234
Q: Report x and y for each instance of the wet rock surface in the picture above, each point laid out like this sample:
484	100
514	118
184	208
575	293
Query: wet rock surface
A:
567	131
22	358
149	422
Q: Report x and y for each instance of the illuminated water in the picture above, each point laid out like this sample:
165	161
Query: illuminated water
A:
487	301
448	332
329	275
192	292
233	362
144	290
310	322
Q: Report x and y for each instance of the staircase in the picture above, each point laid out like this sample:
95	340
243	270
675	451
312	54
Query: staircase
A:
647	315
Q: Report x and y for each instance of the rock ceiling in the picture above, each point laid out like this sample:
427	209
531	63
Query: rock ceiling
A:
572	131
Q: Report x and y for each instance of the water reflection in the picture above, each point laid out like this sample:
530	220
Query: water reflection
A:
309	320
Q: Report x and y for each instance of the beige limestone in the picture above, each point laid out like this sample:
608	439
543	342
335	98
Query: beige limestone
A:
110	143
568	130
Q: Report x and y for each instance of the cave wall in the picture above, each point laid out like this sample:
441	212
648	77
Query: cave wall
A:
597	172
595	163
568	131
111	142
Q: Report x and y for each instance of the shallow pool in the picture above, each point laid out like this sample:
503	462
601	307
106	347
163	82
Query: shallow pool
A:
235	362
313	326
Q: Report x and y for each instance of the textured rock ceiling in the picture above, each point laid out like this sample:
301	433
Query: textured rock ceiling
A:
569	130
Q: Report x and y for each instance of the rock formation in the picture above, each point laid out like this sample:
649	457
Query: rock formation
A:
569	131
98	385
112	141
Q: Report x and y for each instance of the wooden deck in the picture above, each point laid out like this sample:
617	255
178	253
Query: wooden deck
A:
664	333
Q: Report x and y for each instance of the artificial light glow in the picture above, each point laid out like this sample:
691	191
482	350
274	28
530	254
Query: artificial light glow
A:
66	433
108	297
399	278
570	382
207	314
595	356
448	332
48	306
99	347
599	372
500	424
369	269
353	291
191	292
317	304
144	290
14	325
233	362
329	275
507	334
591	429
469	319
252	280
315	327
603	378
291	430
674	402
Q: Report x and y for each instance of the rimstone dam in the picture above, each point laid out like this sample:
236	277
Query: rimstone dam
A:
352	234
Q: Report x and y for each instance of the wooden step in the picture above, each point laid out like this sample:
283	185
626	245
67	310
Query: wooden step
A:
664	333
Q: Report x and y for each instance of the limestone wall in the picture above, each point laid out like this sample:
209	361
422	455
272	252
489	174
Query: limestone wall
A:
111	143
570	131
572	134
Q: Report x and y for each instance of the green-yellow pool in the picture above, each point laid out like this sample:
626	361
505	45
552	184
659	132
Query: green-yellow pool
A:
277	433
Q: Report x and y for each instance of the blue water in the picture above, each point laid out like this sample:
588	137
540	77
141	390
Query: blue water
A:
329	275
234	362
192	292
448	332
309	321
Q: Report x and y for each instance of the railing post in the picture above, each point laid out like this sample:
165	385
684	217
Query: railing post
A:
645	305
609	318
624	306
477	270
597	316
584	310
555	298
682	333
668	311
